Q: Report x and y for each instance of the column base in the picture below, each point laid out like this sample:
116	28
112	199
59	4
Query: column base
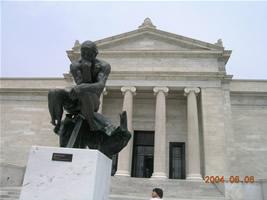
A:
159	175
122	173
194	177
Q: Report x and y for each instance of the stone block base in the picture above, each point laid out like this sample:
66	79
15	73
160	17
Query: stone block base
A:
79	174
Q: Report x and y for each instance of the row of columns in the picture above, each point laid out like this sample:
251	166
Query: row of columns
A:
160	145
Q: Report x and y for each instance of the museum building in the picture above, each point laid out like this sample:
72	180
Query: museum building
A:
189	119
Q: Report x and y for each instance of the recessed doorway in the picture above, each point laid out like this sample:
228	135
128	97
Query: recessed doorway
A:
143	154
177	160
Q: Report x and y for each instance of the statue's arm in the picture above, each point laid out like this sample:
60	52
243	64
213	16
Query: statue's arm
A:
100	83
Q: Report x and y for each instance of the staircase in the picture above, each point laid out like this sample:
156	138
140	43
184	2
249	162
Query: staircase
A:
9	193
126	188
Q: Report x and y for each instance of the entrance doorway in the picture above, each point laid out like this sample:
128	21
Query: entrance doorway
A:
177	160
143	154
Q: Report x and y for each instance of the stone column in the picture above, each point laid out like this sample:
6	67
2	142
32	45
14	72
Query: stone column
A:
101	100
125	156
160	153
192	146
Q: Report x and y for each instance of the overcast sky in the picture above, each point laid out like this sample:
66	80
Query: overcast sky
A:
36	35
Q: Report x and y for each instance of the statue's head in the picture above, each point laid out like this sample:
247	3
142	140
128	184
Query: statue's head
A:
89	50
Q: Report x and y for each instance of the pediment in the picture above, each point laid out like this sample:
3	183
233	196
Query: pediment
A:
153	40
149	40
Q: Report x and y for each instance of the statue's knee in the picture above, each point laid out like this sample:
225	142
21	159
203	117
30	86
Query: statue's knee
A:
86	94
86	97
56	93
52	92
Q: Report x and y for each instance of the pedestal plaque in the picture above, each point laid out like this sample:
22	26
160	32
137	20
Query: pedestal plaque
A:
66	174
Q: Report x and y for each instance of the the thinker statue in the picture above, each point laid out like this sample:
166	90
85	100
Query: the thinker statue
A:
83	127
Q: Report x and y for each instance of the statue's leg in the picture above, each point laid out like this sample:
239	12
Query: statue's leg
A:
55	105
123	121
66	130
89	104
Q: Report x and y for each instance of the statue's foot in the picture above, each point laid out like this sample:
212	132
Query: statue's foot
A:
53	122
57	127
123	120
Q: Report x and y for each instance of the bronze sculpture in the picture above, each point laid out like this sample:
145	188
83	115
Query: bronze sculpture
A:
83	126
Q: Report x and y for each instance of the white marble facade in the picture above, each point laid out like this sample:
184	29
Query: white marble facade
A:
176	86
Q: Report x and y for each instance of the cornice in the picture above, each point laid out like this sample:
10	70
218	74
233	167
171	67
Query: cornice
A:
223	54
250	80
31	78
24	90
249	93
147	75
220	54
162	52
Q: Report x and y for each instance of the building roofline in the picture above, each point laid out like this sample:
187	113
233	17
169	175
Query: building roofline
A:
31	78
249	80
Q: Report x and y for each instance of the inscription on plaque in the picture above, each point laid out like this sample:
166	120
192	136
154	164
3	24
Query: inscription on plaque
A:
62	157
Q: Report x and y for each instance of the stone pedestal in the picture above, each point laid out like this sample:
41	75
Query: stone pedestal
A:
79	174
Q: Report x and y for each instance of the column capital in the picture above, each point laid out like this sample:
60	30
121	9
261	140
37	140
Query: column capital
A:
196	90
165	90
132	89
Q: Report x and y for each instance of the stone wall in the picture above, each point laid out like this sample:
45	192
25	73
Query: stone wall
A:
248	143
112	106
212	113
24	122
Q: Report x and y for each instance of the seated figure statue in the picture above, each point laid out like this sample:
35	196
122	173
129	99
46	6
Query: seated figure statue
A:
83	127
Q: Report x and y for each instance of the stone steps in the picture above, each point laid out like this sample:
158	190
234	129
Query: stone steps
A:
125	197
126	188
9	193
140	188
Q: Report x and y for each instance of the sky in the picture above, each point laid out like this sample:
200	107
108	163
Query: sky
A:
36	35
